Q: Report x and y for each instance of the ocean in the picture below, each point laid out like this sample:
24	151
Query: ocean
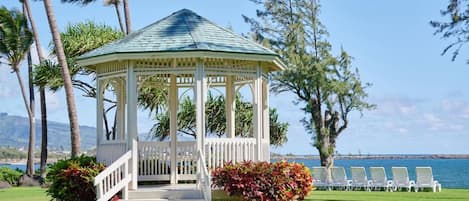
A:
451	173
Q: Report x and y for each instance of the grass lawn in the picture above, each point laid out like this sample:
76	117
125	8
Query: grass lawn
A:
445	195
39	194
24	194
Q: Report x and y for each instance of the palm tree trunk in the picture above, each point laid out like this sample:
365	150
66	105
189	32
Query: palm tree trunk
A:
42	97
119	17
72	111
30	163
127	16
42	92
32	120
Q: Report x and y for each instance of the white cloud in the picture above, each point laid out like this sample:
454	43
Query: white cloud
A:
403	130
52	102
400	106
6	83
433	122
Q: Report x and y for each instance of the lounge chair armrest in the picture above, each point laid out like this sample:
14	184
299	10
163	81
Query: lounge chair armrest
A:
390	183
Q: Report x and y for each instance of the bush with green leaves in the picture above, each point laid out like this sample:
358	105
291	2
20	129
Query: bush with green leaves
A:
10	175
264	181
72	179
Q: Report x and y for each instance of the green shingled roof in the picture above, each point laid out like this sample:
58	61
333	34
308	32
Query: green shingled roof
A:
183	30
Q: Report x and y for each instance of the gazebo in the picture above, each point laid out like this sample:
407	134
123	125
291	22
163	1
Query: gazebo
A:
183	50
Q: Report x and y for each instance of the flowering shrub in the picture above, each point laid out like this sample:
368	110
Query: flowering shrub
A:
264	181
72	179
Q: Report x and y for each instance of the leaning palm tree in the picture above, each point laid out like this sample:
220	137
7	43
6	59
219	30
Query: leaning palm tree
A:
15	41
116	4
71	106
42	91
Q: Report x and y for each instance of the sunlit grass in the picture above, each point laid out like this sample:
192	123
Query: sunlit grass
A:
24	194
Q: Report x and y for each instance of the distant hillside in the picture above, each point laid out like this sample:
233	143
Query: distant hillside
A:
14	132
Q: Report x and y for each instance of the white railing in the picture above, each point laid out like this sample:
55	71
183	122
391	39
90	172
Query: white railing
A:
113	179
154	161
204	180
221	150
186	152
109	151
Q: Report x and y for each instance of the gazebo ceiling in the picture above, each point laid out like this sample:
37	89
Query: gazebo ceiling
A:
183	34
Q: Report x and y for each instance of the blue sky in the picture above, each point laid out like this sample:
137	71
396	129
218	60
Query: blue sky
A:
422	97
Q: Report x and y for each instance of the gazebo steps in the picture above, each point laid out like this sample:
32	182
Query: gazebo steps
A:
181	192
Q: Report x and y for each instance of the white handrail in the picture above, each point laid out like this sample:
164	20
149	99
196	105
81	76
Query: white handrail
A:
114	178
204	179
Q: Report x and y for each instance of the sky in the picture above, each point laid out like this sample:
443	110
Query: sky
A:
422	97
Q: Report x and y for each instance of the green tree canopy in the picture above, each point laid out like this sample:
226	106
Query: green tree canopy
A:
455	28
327	85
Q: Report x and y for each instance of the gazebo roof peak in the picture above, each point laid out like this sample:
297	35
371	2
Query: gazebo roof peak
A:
182	31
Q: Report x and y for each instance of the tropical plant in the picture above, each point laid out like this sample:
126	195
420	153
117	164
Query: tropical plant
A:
72	179
78	39
10	175
15	41
42	93
216	124
327	85
263	180
65	72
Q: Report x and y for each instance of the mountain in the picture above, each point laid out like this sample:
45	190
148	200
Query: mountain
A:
14	132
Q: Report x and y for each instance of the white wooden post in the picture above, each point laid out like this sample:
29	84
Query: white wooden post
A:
120	110
258	114
200	96
266	120
99	113
230	105
173	108
132	121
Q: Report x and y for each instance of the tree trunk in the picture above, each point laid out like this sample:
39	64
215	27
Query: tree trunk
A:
32	119
127	16
42	96
119	17
42	92
72	112
29	164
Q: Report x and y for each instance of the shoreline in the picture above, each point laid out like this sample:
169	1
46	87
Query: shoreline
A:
376	157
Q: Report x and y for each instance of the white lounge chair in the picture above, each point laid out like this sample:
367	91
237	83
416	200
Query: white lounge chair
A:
339	178
379	179
400	179
359	179
425	179
320	178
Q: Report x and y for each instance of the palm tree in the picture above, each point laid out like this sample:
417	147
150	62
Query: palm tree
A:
71	106
42	92
76	40
16	39
116	4
127	16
